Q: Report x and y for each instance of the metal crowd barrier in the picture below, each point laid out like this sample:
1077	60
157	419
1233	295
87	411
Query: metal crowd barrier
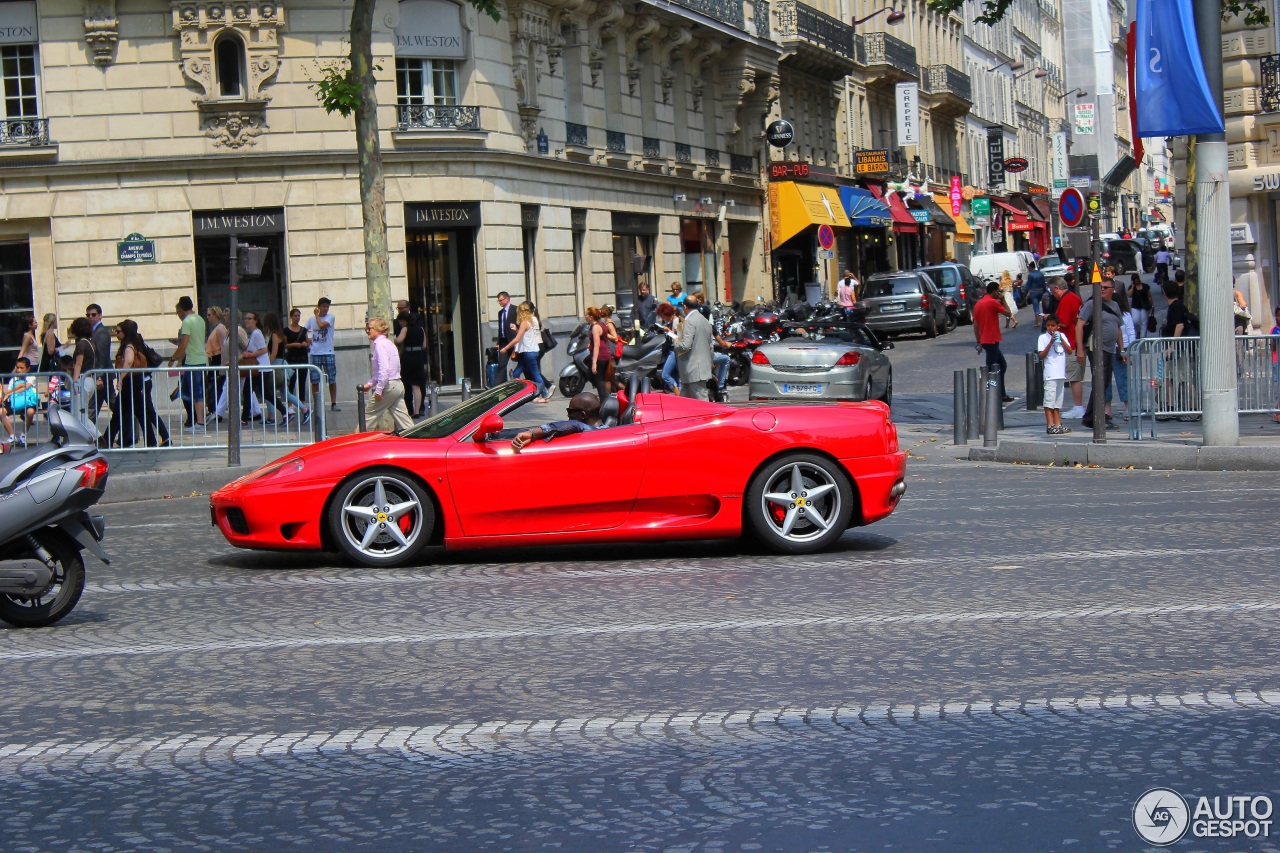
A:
1164	379
145	409
61	394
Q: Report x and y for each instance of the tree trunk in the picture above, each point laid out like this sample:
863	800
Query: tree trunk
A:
373	184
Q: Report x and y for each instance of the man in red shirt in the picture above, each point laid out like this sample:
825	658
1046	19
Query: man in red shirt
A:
986	329
1068	310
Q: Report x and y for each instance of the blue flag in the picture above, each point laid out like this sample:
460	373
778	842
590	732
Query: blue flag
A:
1172	93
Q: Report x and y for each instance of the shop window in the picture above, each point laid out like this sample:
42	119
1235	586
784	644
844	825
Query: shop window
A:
17	302
228	56
18	64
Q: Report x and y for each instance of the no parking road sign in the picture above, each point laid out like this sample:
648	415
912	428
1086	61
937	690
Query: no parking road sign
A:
826	237
1071	207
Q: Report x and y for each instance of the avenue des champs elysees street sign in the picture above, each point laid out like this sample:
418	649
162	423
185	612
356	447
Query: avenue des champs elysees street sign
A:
136	249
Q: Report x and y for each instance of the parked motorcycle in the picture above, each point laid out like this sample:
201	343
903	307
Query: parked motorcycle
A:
643	359
45	494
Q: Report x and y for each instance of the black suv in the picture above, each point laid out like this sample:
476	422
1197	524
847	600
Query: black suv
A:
955	281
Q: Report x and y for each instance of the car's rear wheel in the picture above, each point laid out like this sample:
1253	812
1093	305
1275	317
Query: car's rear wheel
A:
931	326
799	503
381	517
887	396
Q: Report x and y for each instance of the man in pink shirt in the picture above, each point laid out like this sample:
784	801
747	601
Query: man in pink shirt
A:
388	390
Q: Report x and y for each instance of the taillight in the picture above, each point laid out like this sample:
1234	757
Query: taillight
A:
739	344
924	300
92	473
962	291
849	359
758	357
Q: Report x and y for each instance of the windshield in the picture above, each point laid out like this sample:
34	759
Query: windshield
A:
898	286
453	419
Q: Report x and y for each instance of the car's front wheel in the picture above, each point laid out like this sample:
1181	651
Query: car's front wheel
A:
381	517
799	503
931	326
887	396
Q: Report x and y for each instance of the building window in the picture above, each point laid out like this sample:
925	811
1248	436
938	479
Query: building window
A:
228	55
16	299
426	82
18	64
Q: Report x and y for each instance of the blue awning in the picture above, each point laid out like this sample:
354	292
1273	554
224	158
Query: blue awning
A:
864	209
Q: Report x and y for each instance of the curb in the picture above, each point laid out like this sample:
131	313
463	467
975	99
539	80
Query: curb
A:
1162	457
157	485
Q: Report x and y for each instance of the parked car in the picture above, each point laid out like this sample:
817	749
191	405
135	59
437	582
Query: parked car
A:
989	267
903	302
1124	255
955	281
843	361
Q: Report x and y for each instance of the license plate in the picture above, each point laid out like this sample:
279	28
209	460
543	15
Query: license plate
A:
803	388
893	308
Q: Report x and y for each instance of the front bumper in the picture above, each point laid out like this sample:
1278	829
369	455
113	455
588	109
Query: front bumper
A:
264	517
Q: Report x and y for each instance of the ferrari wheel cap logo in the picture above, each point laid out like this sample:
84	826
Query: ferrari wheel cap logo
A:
799	501
382	518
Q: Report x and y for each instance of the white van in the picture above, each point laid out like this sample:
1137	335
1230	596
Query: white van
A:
989	267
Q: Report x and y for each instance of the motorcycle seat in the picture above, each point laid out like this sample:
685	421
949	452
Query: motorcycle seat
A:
636	351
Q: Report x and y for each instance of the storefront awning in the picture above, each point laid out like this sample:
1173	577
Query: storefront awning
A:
864	209
794	207
938	217
1016	219
903	221
964	234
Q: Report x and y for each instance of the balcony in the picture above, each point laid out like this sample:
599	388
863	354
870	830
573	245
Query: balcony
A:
729	12
1270	88
889	59
951	89
30	132
684	154
431	117
575	134
711	158
814	42
742	164
615	141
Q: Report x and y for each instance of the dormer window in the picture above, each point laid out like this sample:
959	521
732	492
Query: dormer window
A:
228	56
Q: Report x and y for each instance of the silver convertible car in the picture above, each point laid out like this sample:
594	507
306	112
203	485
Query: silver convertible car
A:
841	361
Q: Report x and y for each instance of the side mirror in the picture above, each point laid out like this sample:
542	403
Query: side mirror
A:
490	425
886	345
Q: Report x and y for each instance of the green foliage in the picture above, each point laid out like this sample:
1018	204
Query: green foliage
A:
1254	12
490	8
338	90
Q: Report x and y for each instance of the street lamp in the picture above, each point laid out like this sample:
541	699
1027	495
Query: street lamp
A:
1078	91
896	16
1014	65
1040	73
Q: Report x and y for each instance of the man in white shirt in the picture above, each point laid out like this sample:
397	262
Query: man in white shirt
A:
1162	266
320	327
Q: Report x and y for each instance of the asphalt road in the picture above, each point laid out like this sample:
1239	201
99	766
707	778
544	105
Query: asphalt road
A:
1007	663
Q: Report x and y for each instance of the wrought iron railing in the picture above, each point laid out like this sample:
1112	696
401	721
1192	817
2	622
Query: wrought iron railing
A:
795	19
652	148
684	153
859	49
744	164
945	79
711	157
1271	83
24	131
884	49
575	134
615	140
761	11
431	117
725	11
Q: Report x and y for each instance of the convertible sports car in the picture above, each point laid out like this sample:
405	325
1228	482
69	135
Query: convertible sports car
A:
664	468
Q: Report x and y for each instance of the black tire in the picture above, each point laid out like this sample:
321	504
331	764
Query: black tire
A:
887	396
61	596
952	322
572	385
931	327
356	506
767	518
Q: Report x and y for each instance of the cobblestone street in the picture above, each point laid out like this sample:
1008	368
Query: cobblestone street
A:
1007	663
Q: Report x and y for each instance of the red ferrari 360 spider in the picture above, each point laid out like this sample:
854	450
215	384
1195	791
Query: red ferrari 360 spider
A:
796	476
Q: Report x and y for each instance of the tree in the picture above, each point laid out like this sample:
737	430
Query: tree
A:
1254	12
349	89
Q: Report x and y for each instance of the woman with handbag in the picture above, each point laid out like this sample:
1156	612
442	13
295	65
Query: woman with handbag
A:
525	346
1140	307
600	360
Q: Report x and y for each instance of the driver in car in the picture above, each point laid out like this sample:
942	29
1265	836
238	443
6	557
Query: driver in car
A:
584	416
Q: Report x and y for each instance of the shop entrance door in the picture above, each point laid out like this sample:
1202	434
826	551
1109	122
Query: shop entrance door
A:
442	282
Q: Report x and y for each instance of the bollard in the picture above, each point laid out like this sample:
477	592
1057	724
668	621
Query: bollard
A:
466	389
993	407
433	397
1035	383
360	408
982	401
959	413
972	407
1001	390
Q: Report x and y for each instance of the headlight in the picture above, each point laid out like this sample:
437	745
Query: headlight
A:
288	467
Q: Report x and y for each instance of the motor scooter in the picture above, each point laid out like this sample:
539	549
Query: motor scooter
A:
45	495
643	359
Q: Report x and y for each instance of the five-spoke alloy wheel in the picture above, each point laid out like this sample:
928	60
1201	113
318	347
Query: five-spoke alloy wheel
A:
381	517
799	503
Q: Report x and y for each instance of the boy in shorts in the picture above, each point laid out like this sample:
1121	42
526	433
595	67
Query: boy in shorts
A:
21	399
1054	348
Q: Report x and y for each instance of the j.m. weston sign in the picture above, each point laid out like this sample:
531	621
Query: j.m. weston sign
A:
212	223
448	214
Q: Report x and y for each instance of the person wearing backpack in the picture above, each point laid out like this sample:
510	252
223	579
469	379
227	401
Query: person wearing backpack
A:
190	354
